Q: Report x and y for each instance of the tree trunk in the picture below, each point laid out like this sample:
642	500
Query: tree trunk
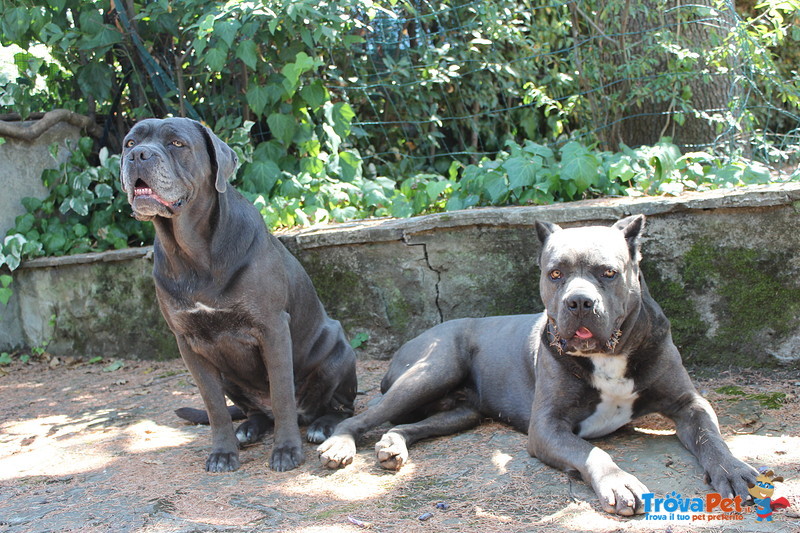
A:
661	72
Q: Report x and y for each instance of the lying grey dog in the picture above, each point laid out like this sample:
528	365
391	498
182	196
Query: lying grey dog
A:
600	355
245	314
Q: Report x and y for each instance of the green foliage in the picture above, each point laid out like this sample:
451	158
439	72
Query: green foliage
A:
5	291
770	400
477	103
114	366
535	174
85	210
359	339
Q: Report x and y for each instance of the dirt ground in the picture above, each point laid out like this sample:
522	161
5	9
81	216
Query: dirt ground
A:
87	447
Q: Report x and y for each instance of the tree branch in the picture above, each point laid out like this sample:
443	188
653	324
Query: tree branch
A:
22	132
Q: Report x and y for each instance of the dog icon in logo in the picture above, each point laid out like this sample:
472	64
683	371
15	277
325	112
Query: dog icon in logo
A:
762	492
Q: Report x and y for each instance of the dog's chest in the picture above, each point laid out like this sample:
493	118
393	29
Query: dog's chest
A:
617	396
202	321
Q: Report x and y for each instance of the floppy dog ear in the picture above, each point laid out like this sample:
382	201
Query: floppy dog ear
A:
223	158
632	228
545	229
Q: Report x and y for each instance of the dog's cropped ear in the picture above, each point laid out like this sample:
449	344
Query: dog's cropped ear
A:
632	228
545	229
223	158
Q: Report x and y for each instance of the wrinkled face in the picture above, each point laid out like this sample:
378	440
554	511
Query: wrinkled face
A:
164	164
589	284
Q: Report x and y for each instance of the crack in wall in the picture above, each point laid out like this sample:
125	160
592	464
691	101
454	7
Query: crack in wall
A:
438	273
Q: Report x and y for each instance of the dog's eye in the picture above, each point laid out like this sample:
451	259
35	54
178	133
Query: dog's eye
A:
178	143
555	274
129	143
610	273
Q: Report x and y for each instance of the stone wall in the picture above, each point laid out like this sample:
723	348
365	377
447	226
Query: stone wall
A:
23	163
723	265
20	173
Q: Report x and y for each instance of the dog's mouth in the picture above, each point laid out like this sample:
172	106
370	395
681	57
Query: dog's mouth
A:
142	190
582	342
146	203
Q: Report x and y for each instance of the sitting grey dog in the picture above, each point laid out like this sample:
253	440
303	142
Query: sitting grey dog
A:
600	355
248	322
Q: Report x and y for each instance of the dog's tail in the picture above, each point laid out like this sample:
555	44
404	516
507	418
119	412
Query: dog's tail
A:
200	416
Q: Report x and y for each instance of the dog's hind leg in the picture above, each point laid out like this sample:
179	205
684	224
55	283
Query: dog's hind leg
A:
392	449
424	371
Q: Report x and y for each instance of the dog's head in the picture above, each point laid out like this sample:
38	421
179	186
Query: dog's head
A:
589	283
167	163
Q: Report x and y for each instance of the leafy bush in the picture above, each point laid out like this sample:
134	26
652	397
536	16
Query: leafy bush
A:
85	210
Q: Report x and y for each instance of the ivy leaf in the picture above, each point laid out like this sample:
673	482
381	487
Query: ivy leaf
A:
521	171
80	230
257	98
206	26
247	51
350	165
359	339
103	191
95	79
292	71
496	187
401	208
340	115
578	167
315	94
435	188
5	291
51	34
216	58
260	176
15	23
101	41
282	127
226	30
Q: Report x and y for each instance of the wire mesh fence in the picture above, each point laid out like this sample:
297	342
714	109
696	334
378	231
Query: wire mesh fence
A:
436	81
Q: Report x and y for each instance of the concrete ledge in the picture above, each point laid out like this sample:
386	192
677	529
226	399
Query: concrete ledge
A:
723	265
381	230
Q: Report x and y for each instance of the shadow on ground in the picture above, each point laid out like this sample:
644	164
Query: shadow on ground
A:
87	448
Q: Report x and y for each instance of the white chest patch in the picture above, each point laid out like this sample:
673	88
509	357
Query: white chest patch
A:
616	397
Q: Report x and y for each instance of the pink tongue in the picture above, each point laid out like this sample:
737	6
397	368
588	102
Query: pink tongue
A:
583	333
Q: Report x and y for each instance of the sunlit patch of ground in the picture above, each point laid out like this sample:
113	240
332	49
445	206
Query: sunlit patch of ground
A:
89	450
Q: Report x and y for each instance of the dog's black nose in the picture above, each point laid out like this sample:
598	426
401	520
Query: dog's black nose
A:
141	153
579	304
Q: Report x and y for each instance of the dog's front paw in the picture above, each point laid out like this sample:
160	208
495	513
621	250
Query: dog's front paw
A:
621	493
392	451
730	477
286	457
337	451
222	462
